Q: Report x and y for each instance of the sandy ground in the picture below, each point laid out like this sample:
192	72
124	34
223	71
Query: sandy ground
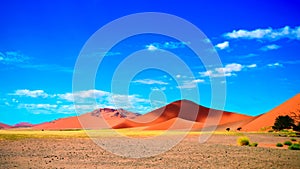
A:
220	151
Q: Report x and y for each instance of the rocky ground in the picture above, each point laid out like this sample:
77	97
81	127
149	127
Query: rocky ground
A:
220	151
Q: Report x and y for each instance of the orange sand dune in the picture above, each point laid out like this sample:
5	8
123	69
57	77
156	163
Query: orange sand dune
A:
268	119
64	123
233	126
4	126
184	110
178	115
176	124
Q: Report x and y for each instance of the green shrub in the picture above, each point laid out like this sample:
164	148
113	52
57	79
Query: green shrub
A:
253	144
279	145
294	146
283	122
288	143
243	141
293	139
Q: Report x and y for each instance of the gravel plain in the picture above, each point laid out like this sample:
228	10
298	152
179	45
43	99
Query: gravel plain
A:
220	151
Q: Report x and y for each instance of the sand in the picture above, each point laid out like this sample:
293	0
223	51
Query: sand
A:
219	152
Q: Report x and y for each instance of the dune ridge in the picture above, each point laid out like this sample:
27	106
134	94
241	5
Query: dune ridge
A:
178	115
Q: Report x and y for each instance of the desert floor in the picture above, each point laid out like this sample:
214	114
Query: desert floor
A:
220	151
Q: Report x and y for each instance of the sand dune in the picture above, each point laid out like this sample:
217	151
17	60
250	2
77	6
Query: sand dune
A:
181	115
176	124
4	126
268	119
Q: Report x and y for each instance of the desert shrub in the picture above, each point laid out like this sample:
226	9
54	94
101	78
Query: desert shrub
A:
270	131
227	129
253	144
279	145
288	143
293	139
294	146
243	141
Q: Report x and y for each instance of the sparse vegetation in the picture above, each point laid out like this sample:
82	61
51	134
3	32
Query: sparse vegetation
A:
253	144
227	129
239	129
283	122
293	139
243	141
279	145
294	147
288	143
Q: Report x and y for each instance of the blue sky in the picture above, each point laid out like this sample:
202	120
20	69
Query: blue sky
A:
257	42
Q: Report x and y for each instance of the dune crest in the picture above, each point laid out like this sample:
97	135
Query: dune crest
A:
267	120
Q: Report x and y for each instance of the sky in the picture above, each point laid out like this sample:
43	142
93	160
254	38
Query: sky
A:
258	44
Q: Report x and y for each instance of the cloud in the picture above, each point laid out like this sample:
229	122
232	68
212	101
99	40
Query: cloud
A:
106	99
166	45
222	45
56	109
86	101
47	67
30	93
228	70
151	47
17	59
82	95
187	84
12	57
274	65
158	89
150	82
198	81
233	67
270	47
266	34
251	66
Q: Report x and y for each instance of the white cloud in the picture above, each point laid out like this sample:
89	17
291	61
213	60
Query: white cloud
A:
86	101
187	84
251	66
206	73
228	70
82	95
266	34
17	59
30	93
158	89
151	47
150	82
178	76
198	81
274	65
12	57
166	45
223	45
233	67
270	47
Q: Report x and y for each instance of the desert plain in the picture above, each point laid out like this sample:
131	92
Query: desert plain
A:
75	149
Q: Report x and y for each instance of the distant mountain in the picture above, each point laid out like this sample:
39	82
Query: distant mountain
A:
23	124
4	126
97	119
267	120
